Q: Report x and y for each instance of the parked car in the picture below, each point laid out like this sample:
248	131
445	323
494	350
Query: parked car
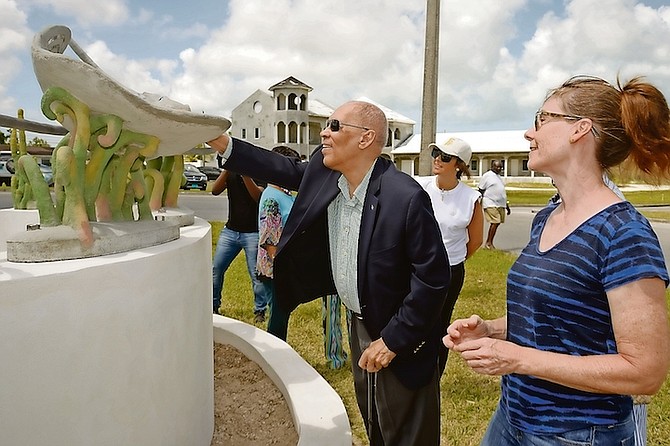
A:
48	174
5	173
7	170
211	172
194	178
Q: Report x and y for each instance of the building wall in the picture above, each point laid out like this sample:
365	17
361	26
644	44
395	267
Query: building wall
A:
283	117
254	120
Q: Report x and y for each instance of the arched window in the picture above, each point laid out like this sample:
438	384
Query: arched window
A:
314	133
293	132
292	101
281	102
281	132
303	133
303	102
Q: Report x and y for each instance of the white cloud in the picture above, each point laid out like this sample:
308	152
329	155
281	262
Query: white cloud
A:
586	38
13	38
86	12
497	59
134	74
363	49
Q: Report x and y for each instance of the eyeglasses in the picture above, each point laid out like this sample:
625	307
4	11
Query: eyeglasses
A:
540	114
443	156
335	125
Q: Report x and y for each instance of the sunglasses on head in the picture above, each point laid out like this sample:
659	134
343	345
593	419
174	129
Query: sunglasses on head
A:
334	125
443	156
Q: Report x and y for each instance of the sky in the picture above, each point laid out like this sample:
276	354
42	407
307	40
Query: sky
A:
497	59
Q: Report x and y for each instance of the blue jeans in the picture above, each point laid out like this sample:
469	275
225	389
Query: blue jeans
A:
278	321
501	433
229	245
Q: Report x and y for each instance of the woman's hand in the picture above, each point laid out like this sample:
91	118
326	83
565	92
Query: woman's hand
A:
462	330
489	356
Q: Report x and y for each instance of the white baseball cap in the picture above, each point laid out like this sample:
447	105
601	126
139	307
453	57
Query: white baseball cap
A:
456	147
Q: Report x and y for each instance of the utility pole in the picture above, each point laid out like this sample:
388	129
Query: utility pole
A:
430	80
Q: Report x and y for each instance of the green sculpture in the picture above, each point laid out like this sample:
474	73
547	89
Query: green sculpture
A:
101	171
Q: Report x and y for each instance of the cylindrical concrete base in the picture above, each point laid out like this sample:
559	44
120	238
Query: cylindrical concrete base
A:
112	350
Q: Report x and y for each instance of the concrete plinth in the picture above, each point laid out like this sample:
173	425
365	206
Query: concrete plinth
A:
112	350
51	244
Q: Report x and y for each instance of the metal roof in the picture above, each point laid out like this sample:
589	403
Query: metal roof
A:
504	141
318	108
391	116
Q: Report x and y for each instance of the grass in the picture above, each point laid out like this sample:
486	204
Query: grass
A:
468	399
535	196
657	215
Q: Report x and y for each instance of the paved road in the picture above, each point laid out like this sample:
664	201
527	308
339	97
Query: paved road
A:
512	235
205	206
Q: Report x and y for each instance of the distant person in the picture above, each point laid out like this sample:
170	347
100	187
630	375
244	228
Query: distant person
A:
494	200
363	229
275	205
587	321
458	211
239	233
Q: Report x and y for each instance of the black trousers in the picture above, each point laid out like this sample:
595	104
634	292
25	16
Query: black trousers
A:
400	416
455	286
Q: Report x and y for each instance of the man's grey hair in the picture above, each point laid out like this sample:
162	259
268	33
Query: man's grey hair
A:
374	118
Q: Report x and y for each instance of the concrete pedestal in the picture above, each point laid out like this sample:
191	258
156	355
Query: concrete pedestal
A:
111	350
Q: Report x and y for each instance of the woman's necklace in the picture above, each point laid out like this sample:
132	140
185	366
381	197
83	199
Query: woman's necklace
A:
446	189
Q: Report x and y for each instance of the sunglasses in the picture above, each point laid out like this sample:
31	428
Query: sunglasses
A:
541	115
443	156
334	125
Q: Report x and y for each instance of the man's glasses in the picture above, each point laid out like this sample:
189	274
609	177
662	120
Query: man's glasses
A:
541	114
443	156
334	125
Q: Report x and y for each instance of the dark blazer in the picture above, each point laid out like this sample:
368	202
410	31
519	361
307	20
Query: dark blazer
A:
403	270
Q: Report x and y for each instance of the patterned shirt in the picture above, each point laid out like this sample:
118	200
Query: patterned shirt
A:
344	227
275	205
556	301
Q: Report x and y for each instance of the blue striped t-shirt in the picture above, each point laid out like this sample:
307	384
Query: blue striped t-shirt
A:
556	302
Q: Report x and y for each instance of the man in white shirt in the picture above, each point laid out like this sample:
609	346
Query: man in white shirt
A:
494	200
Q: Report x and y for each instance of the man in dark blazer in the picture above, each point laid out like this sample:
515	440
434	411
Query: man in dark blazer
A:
389	267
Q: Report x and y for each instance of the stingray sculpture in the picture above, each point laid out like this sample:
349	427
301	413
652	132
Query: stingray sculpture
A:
123	155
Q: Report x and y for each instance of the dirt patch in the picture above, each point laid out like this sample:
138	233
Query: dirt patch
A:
248	407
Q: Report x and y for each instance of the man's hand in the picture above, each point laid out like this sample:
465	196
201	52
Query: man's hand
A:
220	143
376	356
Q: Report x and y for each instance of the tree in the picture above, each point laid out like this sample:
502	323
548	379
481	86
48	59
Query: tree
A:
4	139
38	142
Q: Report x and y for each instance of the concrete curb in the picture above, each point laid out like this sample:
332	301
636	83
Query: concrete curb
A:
318	412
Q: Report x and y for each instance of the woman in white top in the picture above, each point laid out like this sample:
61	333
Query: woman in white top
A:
458	212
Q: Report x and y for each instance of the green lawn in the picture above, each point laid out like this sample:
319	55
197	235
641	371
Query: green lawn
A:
539	196
468	399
